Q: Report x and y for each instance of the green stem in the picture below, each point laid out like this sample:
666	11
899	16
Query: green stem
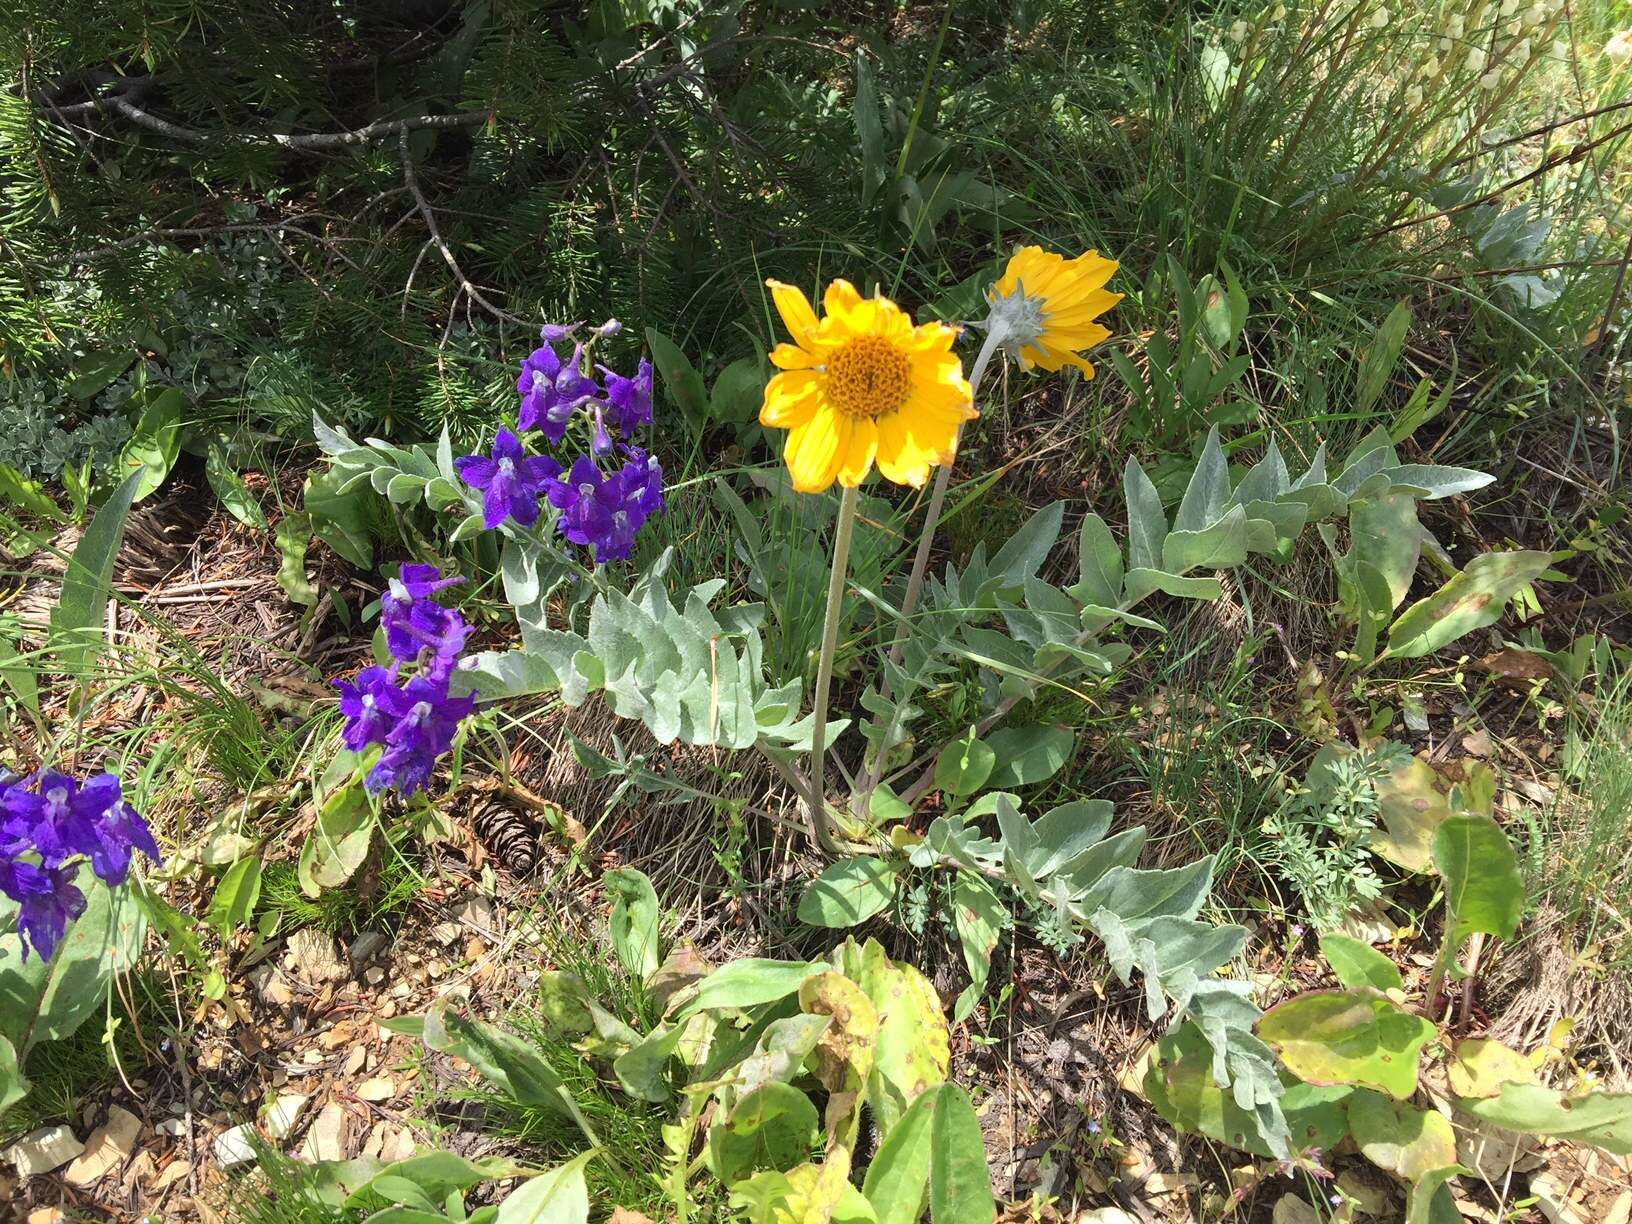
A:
843	531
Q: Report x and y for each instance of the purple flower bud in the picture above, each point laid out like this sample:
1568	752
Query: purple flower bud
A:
554	333
553	390
630	399
608	329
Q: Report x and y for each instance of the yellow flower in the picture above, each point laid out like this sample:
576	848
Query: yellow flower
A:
1045	305
862	384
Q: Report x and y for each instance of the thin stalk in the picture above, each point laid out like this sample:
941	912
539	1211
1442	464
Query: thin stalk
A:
842	534
932	518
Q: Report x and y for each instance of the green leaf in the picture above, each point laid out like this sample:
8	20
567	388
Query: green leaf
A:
1028	755
964	765
94	373
634	921
1407	1142
560	1196
1484	891
28	494
153	446
20	675
738	391
750	982
912	1048
513	1065
979	918
1348	1037
49	1000
1142	581
681	381
1147	522
81	609
1099	564
14	1084
231	489
1359	964
1066	834
1388	536
429	1175
1208	490
338	842
641	1068
1381	357
848	892
960	1186
343	518
869	130
1471	600
772	1127
293	535
233	905
1603	1119
897	1183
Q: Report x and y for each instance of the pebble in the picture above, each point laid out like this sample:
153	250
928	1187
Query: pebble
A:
174	1127
106	1148
310	956
232	1148
366	947
378	1089
170	1175
43	1150
326	1138
375	975
282	1114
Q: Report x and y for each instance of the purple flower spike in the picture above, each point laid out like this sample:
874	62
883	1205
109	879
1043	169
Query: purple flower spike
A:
630	399
413	621
47	900
427	720
553	390
604	514
366	703
511	480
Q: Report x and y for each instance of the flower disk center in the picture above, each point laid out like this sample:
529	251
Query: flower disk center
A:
869	376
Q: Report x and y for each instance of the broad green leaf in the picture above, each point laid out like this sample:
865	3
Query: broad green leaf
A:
1028	755
738	391
913	1049
979	918
342	518
82	607
1220	545
1381	356
1142	581
338	842
20	675
748	983
964	765
1471	600
1066	834
1208	490
1099	564
293	535
1430	481
681	381
1481	1066
1413	806
1388	537
49	1000
897	1183
559	1196
233	905
848	892
14	1084
94	372
634	921
231	489
1407	1142
960	1186
1180	1083
1359	964
431	1174
514	1066
808	1194
1147	522
1348	1037
641	1069
153	446
1023	553
772	1127
1484	891
1603	1119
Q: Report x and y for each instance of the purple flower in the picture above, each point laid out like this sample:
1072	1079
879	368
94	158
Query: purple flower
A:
118	828
630	399
367	707
427	719
415	623
604	514
47	900
512	480
552	333
608	329
553	390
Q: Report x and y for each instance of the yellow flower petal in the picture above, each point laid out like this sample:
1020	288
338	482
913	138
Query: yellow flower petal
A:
858	456
815	450
841	295
791	399
792	357
795	309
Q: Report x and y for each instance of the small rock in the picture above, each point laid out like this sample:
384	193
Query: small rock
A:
272	986
375	975
326	1139
1477	743
281	1115
478	912
106	1148
311	957
46	1215
366	947
379	1089
375	1141
1169	1183
1552	1200
43	1150
398	1146
312	1058
171	1174
355	1060
446	932
232	1148
1620	1212
174	1127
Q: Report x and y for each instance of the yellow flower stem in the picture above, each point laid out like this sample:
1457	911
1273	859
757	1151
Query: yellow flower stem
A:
932	519
843	531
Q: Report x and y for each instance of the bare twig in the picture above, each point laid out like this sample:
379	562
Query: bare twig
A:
467	288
